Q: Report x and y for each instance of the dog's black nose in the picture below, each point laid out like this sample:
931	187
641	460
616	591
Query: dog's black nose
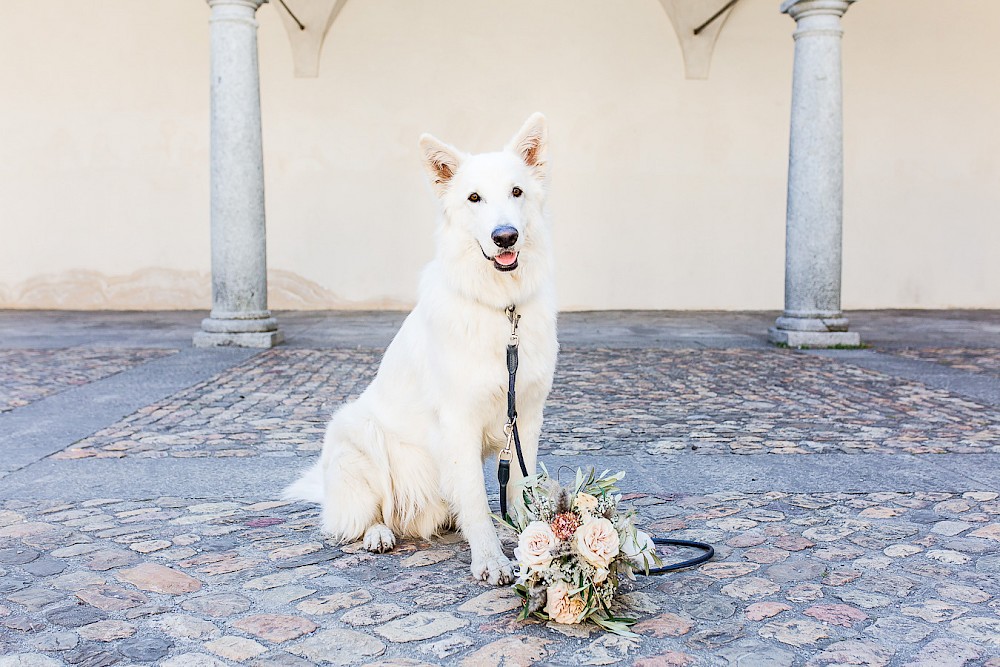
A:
505	236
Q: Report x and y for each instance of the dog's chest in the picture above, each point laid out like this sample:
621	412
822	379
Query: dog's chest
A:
480	356
536	352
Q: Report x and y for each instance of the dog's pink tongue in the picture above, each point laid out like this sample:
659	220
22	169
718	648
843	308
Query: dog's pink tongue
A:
506	258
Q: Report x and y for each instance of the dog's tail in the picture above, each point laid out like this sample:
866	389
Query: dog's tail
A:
308	487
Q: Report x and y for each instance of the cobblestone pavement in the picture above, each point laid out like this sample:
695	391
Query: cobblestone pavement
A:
29	375
887	576
849	579
607	401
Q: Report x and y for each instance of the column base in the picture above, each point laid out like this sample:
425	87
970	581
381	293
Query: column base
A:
246	339
813	338
260	331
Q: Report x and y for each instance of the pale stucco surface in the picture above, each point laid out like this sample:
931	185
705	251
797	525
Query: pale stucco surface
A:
668	192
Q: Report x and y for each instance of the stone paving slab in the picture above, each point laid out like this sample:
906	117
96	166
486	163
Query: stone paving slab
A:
603	401
882	329
29	375
887	329
50	424
877	579
973	360
982	388
260	478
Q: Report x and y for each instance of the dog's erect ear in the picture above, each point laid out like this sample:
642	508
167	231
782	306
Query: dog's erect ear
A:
440	160
531	143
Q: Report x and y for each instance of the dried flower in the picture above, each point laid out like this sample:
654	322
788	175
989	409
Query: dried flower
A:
537	598
562	502
565	524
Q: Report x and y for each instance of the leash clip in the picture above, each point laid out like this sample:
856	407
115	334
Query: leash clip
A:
514	319
508	430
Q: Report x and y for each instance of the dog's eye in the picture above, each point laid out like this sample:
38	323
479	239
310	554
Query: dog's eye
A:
516	192
474	197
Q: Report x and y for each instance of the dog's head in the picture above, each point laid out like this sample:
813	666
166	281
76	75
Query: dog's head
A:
493	202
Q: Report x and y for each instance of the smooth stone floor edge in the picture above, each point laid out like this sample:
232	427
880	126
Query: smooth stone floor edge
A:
375	329
265	477
55	422
981	387
621	329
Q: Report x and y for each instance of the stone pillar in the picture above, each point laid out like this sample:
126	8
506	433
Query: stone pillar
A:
812	314
239	265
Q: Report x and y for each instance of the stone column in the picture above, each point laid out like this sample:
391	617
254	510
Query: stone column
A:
812	314
239	265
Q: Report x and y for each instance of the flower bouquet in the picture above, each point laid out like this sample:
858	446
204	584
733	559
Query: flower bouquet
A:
573	548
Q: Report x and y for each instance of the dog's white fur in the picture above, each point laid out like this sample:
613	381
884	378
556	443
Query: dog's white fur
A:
406	458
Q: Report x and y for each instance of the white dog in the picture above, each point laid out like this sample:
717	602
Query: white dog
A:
406	458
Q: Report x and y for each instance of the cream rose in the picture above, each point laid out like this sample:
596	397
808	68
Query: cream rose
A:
597	541
562	607
534	546
585	503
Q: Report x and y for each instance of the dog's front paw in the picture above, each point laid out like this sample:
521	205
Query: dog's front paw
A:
495	569
379	539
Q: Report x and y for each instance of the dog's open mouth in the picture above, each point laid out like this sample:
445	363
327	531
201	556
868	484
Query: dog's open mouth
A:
505	261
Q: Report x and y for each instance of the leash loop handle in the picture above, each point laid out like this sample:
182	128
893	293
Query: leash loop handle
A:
511	396
707	549
503	476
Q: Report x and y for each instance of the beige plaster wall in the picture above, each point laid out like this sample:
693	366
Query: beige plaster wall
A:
922	155
667	192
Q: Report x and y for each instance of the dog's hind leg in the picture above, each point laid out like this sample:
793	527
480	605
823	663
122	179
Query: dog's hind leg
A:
350	504
355	482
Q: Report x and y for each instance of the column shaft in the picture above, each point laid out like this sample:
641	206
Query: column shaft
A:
239	264
814	215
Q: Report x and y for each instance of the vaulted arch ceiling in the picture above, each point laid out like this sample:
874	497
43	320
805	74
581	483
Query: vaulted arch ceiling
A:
307	23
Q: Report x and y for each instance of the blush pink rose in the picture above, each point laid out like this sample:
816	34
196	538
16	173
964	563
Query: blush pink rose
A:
561	606
534	546
598	542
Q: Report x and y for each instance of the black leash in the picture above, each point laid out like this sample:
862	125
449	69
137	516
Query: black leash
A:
510	430
708	550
